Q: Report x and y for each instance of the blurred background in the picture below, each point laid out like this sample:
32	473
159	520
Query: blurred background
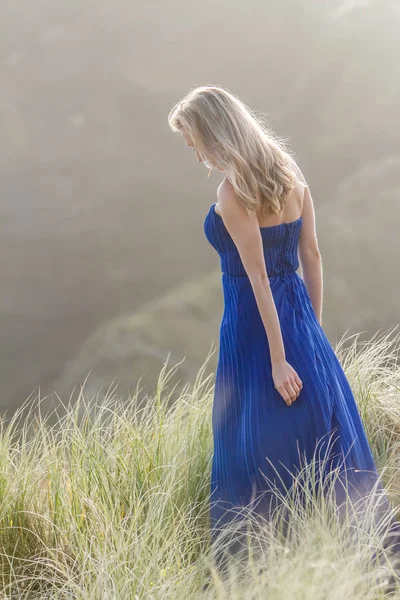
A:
105	268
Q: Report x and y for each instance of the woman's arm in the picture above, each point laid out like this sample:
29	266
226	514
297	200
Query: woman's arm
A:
269	316
310	257
311	273
246	234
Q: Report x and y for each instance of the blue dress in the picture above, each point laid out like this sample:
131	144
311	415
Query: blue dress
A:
254	431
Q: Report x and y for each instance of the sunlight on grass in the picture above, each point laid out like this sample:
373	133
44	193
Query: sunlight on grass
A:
113	502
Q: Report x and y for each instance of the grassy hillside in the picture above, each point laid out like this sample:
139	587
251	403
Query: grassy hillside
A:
112	504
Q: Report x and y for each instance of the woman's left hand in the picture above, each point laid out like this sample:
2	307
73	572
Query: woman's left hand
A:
286	381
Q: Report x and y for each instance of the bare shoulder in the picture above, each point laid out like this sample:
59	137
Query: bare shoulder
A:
226	196
225	188
308	243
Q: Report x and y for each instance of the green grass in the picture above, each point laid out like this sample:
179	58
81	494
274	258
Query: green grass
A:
112	503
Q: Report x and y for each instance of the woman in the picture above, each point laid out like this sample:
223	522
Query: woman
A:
281	396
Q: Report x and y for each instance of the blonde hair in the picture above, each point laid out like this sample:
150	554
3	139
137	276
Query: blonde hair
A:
226	132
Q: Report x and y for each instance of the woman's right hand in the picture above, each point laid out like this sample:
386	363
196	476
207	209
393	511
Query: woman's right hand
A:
286	381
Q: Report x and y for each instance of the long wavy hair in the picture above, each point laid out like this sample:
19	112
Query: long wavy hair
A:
227	133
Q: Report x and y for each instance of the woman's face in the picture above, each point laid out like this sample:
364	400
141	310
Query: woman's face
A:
188	142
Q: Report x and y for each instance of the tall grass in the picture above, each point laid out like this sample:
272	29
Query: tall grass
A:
112	502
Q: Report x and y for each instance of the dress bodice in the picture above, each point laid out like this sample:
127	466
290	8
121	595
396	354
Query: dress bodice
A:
280	243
